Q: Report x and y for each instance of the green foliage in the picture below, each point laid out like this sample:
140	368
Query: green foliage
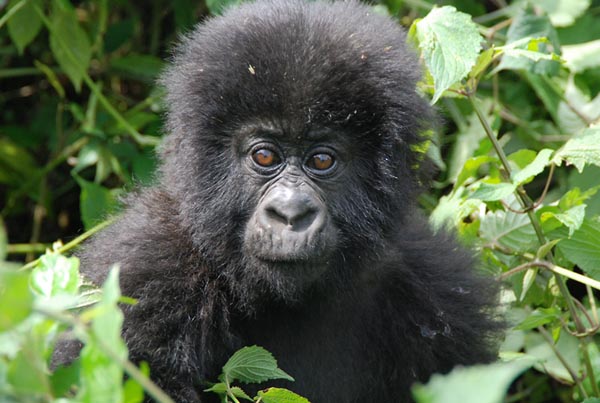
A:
518	160
525	121
253	364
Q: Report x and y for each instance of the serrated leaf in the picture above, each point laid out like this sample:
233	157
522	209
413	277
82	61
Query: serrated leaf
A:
25	24
279	395
536	167
493	191
582	248
55	274
476	384
69	42
450	43
253	364
582	149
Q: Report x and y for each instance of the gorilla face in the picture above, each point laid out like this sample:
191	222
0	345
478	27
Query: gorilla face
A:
290	232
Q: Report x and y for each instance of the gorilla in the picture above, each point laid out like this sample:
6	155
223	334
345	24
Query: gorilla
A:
284	215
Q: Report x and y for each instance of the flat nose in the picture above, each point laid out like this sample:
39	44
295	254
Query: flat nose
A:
291	208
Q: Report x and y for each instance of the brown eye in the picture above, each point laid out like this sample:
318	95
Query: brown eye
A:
321	162
265	157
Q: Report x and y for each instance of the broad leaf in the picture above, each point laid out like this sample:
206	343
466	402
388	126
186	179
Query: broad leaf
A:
493	191
536	167
253	365
582	149
563	13
583	247
450	42
14	293
25	24
55	274
476	384
101	376
69	42
278	395
509	229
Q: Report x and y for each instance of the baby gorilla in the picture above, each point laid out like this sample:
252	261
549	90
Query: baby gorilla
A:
284	215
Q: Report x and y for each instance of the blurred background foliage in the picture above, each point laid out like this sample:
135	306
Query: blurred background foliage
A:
81	117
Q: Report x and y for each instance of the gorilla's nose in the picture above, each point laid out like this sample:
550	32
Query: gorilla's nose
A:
292	209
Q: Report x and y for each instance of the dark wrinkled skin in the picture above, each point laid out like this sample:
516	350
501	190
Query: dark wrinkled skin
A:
334	272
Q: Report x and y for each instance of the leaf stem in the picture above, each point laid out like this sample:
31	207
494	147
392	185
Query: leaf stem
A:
70	245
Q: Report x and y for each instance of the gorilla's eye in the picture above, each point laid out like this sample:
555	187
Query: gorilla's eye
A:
320	162
265	157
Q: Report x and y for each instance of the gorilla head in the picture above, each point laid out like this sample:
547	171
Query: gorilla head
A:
292	124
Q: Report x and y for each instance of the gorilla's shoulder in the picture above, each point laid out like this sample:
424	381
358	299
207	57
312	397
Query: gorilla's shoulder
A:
146	237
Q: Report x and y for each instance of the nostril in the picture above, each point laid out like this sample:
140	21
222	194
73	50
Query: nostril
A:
297	218
274	215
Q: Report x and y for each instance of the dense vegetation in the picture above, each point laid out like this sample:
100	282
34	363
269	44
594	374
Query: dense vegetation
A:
518	168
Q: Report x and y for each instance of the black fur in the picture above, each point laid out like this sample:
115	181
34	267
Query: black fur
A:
391	303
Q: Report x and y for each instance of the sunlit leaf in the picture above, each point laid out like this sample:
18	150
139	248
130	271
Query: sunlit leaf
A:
253	365
450	43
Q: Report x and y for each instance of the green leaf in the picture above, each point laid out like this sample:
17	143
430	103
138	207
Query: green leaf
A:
133	392
69	42
16	163
582	149
476	384
536	167
563	13
25	24
450	43
101	375
548	362
143	67
576	108
572	218
493	191
14	293
219	6
527	43
539	317
64	377
279	395
55	274
509	229
582	248
96	202
582	56
253	365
